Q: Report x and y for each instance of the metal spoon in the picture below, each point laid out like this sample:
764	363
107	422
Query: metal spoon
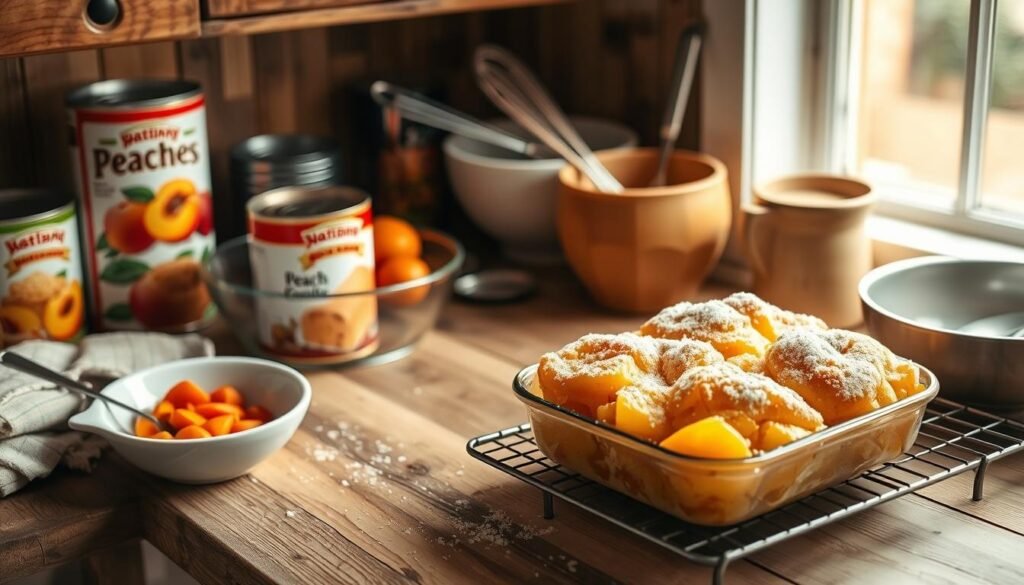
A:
419	108
683	72
26	366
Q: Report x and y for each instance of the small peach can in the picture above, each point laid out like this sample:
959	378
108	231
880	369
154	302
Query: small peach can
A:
143	175
311	252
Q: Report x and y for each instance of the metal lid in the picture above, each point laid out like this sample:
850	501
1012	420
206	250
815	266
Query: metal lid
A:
304	202
131	93
305	152
495	286
29	204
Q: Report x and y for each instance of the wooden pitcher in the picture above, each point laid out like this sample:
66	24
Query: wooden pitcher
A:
807	246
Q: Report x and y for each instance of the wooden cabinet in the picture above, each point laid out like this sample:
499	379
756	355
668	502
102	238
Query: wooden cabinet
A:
36	26
229	8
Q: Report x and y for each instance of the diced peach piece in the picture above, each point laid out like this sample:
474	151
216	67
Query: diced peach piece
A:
245	424
185	392
182	418
606	413
775	434
228	394
637	413
214	409
145	427
220	425
162	435
193	432
742	422
710	438
258	412
163	410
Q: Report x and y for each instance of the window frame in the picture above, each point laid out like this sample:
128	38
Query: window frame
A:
825	80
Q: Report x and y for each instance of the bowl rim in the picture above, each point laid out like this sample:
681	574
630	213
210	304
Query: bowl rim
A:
434	236
572	185
305	397
886	270
453	148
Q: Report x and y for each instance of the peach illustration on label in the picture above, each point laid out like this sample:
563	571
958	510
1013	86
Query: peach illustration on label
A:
19	321
170	294
205	215
174	212
124	229
64	313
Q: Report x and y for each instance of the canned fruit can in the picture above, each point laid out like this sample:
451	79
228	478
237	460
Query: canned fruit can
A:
143	175
312	250
41	293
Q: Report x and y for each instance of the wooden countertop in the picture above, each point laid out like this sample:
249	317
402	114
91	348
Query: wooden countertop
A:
377	487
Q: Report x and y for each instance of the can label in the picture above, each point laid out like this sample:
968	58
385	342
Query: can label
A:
41	285
304	260
144	180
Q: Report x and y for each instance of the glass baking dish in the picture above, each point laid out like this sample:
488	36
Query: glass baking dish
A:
719	492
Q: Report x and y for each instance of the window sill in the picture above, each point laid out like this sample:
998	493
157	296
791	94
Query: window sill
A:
896	239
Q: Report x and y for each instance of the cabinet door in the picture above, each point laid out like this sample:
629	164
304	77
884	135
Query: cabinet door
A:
228	8
36	26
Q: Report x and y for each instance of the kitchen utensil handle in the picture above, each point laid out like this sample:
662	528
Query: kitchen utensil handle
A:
419	108
756	237
26	366
683	73
514	89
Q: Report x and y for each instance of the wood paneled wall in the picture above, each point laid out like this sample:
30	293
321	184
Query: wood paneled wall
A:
599	57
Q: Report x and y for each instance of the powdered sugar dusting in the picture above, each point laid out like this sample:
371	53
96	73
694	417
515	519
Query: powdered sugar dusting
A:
845	364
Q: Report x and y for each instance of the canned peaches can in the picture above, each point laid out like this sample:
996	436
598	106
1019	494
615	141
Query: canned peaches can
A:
41	294
311	249
143	174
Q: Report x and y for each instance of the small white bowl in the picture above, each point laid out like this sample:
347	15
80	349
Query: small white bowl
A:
512	198
282	390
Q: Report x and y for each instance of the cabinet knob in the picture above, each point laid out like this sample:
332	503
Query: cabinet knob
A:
102	15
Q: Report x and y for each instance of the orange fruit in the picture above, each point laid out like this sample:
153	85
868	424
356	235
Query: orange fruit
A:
193	432
403	269
245	424
393	238
228	394
184	392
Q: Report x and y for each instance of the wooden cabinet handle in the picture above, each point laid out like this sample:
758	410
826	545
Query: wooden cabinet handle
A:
102	15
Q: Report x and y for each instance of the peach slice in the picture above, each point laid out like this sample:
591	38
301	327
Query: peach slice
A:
64	313
182	418
229	394
215	409
710	438
259	413
638	413
193	432
174	212
162	435
245	424
775	434
145	427
220	425
185	392
163	410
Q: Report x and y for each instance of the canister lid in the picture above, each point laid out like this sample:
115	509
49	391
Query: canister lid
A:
131	93
29	204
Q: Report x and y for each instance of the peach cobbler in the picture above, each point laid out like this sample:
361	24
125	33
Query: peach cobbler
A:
725	378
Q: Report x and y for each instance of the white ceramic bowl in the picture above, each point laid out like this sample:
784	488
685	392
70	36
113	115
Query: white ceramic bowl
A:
279	388
513	199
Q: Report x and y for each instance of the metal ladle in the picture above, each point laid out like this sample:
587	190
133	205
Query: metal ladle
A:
1004	325
26	366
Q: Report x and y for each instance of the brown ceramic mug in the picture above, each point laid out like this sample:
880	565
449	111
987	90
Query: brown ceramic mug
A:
647	247
807	245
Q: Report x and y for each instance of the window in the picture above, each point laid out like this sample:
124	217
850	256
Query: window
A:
926	99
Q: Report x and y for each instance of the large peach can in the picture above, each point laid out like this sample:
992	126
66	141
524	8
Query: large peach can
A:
143	175
311	251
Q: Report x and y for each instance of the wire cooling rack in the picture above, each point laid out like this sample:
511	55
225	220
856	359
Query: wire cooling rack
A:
953	439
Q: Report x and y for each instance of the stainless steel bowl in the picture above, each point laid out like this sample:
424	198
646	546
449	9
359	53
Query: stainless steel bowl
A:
929	310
